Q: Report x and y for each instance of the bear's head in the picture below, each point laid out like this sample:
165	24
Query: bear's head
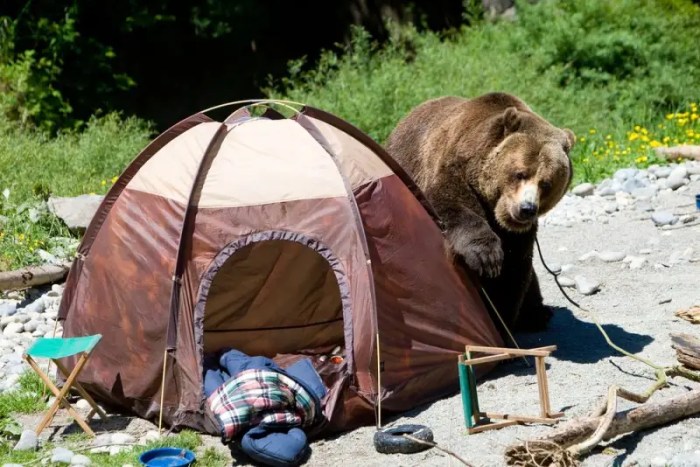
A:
529	170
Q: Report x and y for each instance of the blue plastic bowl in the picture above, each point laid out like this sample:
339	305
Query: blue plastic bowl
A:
167	457
697	201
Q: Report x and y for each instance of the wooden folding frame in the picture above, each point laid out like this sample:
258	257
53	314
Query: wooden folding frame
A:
475	419
61	394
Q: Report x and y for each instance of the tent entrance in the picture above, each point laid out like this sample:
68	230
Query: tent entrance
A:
273	296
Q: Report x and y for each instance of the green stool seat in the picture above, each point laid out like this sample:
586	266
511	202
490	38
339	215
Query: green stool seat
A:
56	347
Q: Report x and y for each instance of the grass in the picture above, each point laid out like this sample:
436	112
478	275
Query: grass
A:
81	444
70	164
29	398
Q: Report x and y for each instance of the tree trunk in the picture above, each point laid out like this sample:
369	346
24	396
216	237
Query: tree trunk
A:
33	275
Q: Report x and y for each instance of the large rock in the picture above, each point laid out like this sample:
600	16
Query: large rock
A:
75	212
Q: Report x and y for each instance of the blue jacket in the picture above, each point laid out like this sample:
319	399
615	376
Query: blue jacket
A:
230	362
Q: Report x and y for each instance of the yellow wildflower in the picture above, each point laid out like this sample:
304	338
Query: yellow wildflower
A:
592	131
670	116
103	182
114	180
632	136
582	139
655	144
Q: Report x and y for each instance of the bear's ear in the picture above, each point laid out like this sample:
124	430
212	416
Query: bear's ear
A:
511	120
570	140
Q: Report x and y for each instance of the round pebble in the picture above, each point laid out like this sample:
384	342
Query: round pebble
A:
584	189
611	256
664	218
586	286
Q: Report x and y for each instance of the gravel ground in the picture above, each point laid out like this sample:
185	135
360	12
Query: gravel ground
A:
636	307
602	238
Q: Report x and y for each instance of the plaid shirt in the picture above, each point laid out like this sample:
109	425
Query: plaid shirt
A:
260	397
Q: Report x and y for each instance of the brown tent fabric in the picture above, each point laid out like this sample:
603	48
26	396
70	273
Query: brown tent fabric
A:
283	237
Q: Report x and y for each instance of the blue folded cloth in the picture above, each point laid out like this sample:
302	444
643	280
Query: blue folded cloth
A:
275	446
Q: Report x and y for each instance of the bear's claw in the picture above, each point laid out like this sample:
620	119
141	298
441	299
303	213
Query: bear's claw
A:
482	253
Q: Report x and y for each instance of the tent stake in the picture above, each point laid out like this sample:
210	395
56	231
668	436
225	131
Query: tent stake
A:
162	391
379	387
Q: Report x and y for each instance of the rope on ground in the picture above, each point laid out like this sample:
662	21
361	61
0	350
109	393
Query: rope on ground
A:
546	454
440	448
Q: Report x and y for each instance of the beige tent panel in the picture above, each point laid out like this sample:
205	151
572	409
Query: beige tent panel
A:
258	162
270	161
359	164
169	172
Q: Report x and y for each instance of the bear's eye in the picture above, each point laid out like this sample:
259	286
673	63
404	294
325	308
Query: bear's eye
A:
545	186
520	175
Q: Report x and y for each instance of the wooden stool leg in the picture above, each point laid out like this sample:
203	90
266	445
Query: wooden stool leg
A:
61	395
46	419
95	408
542	386
70	382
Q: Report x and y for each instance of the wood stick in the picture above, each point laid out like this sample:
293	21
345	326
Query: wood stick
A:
490	358
33	275
520	418
538	352
639	418
687	349
540	387
686	151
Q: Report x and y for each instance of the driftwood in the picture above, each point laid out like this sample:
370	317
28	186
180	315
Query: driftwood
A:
691	314
686	151
551	448
687	349
33	275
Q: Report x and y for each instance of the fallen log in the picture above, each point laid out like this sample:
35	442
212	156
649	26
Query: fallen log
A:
33	275
551	448
687	349
686	151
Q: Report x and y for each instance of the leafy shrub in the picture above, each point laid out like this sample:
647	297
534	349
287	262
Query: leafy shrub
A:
586	64
28	94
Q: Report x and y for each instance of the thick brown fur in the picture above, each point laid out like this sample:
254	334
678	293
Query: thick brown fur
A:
490	167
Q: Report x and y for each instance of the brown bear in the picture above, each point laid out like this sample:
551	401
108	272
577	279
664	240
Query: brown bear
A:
490	167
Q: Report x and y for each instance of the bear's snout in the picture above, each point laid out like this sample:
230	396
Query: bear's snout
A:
527	210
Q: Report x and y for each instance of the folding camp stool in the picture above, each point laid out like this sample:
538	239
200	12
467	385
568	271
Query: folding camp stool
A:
54	349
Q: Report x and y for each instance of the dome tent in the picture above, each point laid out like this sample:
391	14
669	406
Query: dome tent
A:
282	236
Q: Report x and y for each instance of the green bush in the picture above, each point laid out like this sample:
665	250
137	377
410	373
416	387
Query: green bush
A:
590	64
28	94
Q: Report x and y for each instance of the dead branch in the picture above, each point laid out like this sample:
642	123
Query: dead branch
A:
685	151
33	275
687	349
577	430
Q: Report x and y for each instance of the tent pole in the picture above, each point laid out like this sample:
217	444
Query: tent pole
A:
379	387
162	391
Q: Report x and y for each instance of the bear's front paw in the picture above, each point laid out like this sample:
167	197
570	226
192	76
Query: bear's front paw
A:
482	253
